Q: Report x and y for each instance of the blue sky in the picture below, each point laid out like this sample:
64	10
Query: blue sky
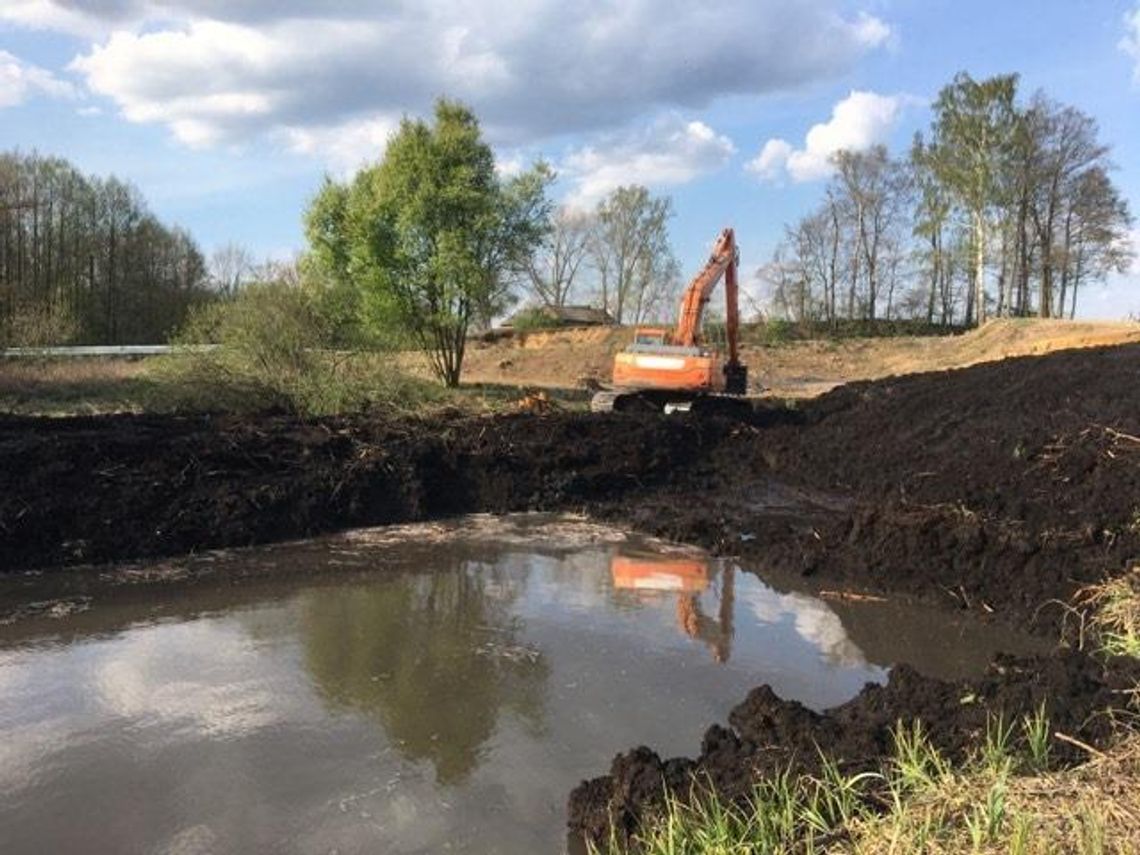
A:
226	113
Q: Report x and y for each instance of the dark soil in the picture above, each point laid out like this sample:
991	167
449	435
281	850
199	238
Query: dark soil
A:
1000	488
768	736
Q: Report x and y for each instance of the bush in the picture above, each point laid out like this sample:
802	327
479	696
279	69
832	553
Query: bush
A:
534	319
39	325
269	348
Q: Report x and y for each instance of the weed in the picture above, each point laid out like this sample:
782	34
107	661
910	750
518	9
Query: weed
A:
995	750
917	764
1035	728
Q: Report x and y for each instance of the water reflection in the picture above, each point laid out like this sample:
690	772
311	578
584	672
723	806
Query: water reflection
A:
687	577
435	659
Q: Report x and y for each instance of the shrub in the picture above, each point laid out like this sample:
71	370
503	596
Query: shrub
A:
269	349
40	324
534	319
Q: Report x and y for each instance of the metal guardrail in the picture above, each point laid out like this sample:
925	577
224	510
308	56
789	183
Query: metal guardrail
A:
126	350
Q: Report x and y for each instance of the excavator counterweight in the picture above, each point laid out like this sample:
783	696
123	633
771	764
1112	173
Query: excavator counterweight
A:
673	369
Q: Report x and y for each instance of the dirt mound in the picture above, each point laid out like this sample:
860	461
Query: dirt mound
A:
768	735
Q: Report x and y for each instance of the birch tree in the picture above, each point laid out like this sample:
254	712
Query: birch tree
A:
970	147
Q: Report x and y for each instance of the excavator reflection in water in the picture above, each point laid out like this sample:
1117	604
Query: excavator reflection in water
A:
688	577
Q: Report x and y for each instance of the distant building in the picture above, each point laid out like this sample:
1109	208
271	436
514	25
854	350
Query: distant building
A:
566	316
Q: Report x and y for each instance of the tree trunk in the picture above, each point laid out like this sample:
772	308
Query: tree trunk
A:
980	267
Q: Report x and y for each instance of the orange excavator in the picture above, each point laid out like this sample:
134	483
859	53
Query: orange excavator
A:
673	369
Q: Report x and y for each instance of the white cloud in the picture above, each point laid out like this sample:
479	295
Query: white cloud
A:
347	146
214	71
872	31
859	121
50	15
668	152
1130	42
20	81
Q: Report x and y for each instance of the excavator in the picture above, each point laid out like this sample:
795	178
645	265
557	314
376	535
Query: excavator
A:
672	370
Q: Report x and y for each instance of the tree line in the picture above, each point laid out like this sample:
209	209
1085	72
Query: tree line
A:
83	260
1000	208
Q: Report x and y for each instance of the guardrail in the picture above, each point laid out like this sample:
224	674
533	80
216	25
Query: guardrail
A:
124	350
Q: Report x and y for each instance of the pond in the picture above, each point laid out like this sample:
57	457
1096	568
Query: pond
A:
418	689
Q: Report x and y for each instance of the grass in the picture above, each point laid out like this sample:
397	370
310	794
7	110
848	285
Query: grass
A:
89	386
92	386
1002	800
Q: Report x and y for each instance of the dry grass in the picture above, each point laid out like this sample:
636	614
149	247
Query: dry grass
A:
1093	808
1112	612
74	386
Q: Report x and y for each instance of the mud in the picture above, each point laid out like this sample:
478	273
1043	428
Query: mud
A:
1000	489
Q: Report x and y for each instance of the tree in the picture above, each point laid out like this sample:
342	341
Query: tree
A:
970	147
875	188
1096	240
231	266
430	236
931	216
553	270
630	249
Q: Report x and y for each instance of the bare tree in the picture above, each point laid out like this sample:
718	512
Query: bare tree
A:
552	271
875	188
231	266
631	255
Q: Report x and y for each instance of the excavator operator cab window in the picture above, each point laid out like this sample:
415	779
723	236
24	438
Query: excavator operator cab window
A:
649	337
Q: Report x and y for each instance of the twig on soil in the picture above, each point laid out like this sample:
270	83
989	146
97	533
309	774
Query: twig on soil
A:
851	596
1084	746
1119	434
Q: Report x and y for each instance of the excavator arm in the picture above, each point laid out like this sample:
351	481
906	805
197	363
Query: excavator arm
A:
723	262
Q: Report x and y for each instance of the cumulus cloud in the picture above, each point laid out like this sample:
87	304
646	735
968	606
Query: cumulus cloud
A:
214	71
345	147
668	152
20	81
1130	42
859	121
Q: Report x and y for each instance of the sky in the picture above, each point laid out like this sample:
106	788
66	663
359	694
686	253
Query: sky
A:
228	113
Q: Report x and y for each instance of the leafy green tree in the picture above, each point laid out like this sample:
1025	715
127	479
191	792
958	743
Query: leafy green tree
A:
972	138
431	236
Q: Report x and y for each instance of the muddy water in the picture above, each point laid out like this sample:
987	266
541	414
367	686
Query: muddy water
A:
428	689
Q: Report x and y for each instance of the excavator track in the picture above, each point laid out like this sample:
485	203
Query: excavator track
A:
652	402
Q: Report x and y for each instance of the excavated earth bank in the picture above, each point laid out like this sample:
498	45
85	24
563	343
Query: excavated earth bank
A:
1000	488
